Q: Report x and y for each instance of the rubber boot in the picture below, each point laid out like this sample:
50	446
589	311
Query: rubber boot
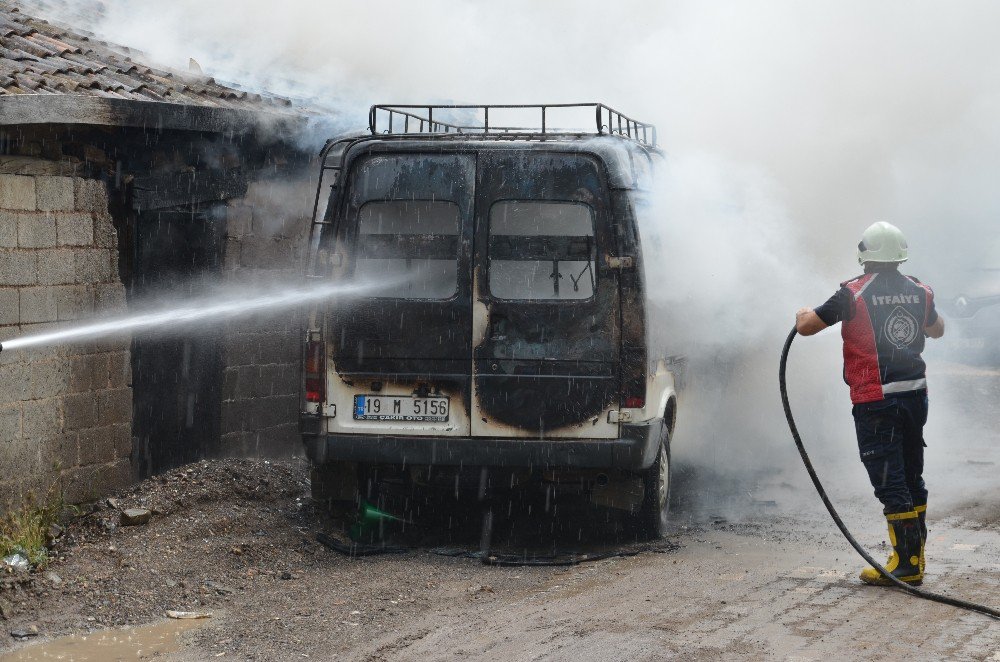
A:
904	562
922	516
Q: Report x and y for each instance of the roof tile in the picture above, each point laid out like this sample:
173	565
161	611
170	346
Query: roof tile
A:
38	57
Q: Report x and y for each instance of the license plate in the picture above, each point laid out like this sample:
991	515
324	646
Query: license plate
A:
400	408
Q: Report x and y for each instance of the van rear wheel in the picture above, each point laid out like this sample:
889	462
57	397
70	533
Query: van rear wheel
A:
654	512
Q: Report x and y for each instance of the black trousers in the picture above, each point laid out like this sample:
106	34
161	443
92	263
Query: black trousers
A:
891	443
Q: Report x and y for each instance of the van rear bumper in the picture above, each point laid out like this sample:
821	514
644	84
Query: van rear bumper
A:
635	449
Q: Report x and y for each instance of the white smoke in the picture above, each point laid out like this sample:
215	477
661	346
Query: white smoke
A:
848	111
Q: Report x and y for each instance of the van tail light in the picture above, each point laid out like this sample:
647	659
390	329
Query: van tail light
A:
315	370
633	379
314	389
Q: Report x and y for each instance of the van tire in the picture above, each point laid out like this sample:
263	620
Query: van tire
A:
654	518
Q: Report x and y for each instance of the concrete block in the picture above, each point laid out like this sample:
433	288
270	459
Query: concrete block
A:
90	483
90	195
97	446
75	229
239	348
92	265
105	345
105	234
37	304
88	372
54	193
21	457
278	441
118	475
241	382
18	267
74	301
36	231
278	379
79	411
230	383
56	266
41	419
114	406
236	415
60	453
119	369
235	444
278	345
17	192
15	382
10	422
8	229
84	484
122	437
48	379
274	411
9	306
43	483
110	297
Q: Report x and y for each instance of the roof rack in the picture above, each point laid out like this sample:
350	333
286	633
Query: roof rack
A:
400	119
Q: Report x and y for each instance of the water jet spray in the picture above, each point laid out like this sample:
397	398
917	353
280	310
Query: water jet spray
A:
218	306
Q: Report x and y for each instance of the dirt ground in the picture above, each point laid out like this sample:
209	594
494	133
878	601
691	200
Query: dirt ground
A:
237	539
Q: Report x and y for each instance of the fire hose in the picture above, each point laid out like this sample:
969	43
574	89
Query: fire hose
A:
927	595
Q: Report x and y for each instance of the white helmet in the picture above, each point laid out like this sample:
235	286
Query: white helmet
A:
882	242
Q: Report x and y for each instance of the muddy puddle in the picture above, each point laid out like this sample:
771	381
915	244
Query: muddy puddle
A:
120	645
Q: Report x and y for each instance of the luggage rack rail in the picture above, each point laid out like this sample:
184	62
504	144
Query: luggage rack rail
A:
402	119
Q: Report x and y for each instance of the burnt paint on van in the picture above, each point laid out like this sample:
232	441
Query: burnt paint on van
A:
548	360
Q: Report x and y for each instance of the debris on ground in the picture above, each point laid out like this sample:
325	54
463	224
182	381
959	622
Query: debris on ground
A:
16	563
187	615
135	516
25	632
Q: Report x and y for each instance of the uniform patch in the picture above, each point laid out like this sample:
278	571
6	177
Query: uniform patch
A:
901	328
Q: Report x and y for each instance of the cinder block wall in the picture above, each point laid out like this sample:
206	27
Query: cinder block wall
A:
65	410
266	238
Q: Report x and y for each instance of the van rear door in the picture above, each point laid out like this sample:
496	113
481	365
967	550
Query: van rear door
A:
399	361
545	306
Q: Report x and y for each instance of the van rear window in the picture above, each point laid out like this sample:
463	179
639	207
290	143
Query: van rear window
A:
413	241
542	250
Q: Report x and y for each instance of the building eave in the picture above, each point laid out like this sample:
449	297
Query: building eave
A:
152	115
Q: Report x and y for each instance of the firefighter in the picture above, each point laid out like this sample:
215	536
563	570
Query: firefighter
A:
884	318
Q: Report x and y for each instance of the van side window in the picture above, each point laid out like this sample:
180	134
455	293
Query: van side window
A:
414	242
542	250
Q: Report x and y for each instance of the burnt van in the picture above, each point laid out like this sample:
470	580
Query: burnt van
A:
506	324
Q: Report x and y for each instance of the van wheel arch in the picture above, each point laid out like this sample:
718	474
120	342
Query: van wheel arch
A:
670	416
